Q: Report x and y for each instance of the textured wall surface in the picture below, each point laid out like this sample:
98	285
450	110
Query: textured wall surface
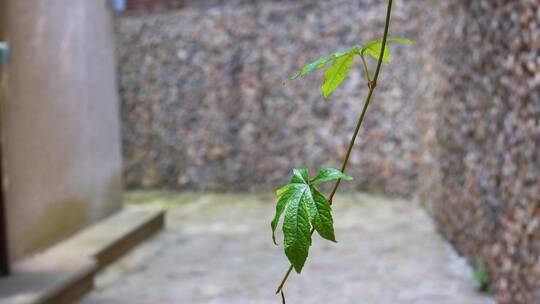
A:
59	121
482	169
455	120
145	6
204	107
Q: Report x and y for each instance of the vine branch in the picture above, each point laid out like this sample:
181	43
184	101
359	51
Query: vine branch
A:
371	85
366	69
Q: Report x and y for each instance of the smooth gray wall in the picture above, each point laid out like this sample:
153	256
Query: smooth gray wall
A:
60	121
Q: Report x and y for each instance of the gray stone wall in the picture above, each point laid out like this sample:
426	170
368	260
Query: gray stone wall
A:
454	122
482	170
204	106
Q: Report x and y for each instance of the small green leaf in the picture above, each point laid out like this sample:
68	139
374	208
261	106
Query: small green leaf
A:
328	174
337	72
282	190
319	63
373	48
398	40
481	277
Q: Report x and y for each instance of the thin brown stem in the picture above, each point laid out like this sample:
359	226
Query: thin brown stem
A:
286	276
371	84
351	144
366	68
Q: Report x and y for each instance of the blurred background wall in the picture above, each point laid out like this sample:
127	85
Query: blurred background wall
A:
454	123
204	106
483	183
59	121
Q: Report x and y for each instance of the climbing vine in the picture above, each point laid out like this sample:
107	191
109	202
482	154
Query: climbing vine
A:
304	207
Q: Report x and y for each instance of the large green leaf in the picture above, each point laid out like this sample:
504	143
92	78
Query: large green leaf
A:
304	207
373	48
296	231
337	72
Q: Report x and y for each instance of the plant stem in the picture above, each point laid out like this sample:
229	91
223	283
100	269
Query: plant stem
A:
366	69
372	85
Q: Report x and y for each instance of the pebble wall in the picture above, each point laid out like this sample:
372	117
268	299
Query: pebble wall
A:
454	122
481	176
204	105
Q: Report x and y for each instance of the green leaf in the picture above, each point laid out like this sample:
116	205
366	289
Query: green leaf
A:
337	72
300	176
296	230
282	190
321	215
319	63
398	40
280	207
328	174
481	277
373	48
304	207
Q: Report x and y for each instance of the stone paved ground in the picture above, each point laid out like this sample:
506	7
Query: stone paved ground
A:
217	249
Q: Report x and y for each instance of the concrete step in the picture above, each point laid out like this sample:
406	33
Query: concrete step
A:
66	271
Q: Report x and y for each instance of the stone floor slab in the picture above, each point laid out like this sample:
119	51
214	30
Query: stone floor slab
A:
217	249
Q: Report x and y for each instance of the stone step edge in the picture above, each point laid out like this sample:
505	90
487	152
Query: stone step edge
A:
89	251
